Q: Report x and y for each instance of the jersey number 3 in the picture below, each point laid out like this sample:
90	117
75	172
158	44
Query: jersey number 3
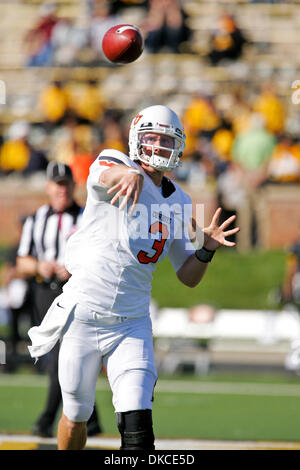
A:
158	245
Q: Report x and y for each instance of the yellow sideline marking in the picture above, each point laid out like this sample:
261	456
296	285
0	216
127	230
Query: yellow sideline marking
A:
18	446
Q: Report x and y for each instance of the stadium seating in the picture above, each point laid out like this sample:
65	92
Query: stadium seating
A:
271	28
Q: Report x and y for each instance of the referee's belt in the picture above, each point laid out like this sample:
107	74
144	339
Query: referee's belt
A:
52	283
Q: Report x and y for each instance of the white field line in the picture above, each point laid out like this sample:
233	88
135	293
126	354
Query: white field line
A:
175	386
113	443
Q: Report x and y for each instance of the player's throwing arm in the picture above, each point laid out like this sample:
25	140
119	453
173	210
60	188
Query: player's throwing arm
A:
124	181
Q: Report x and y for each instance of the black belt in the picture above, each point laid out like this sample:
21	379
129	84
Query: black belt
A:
53	283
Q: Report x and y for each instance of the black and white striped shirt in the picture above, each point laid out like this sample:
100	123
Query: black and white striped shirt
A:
46	232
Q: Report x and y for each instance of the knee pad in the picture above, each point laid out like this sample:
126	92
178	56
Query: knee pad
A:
136	430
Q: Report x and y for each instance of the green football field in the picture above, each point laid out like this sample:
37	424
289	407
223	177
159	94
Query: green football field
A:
260	407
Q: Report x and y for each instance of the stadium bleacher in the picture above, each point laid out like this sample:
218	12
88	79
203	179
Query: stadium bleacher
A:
272	30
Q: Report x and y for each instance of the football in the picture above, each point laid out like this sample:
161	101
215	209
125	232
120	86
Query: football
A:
123	44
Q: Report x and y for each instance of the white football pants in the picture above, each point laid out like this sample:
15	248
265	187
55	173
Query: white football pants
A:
123	346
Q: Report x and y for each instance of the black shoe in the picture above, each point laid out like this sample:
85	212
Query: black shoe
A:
42	432
93	429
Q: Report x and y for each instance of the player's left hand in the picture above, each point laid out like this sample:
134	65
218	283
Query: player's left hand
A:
215	235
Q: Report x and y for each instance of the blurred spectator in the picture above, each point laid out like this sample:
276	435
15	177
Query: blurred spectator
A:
208	158
269	105
61	146
38	39
231	195
112	133
102	20
86	101
84	152
200	168
53	103
18	155
284	166
229	188
222	143
200	118
119	5
14	153
80	165
227	41
76	145
68	40
239	112
165	26
251	154
252	150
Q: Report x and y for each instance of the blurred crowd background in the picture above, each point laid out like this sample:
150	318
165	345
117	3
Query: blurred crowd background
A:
228	68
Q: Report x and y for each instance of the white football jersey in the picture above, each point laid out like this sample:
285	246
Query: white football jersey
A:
113	255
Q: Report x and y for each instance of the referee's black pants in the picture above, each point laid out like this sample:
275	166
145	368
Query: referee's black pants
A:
43	295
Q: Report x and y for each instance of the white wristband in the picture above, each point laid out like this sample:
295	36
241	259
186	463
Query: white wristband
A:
135	170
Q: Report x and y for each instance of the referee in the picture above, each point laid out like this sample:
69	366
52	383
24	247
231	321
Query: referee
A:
41	256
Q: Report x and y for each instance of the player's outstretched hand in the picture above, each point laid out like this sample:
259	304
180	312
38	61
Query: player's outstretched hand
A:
215	235
129	186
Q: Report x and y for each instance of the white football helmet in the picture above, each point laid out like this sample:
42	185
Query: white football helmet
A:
161	120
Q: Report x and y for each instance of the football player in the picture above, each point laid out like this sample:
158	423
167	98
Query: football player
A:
133	218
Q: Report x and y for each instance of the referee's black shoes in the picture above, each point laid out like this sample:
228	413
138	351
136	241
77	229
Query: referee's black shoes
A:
37	430
93	428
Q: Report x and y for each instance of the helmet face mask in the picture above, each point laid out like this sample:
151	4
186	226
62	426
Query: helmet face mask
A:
163	156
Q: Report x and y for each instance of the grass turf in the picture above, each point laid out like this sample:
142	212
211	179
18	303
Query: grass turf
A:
233	280
179	415
226	417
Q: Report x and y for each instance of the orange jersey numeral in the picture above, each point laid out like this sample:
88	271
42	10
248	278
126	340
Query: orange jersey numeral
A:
158	245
